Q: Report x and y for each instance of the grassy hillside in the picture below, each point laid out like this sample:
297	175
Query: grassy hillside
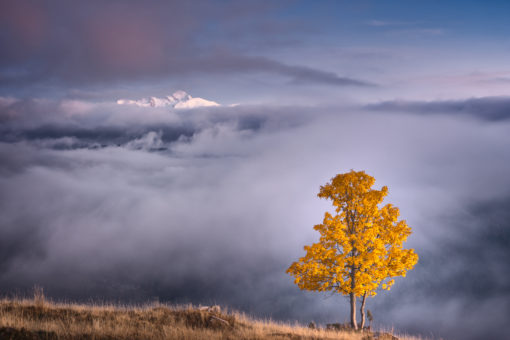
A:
39	319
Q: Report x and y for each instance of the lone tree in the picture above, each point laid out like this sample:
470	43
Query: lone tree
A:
360	247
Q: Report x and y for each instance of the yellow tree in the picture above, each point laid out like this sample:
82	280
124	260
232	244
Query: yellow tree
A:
361	245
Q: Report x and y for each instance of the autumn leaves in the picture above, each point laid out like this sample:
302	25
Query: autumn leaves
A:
361	246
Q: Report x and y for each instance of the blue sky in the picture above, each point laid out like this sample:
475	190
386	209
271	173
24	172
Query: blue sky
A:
135	202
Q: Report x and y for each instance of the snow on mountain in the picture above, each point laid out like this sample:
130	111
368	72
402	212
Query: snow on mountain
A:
178	100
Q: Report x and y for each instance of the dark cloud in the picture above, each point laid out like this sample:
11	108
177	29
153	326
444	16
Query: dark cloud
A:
485	108
298	74
64	124
95	42
465	272
482	239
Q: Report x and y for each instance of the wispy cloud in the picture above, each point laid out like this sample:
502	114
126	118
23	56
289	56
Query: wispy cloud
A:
385	23
486	108
406	28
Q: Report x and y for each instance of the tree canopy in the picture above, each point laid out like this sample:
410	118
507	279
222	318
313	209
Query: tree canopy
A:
361	245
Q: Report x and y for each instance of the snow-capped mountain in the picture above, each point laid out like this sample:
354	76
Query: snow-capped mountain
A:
178	100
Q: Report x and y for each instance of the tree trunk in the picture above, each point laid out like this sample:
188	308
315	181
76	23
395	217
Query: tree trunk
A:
354	324
362	311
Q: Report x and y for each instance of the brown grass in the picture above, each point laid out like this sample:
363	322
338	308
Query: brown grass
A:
39	318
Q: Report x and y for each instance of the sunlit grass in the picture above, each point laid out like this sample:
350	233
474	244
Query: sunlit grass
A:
39	318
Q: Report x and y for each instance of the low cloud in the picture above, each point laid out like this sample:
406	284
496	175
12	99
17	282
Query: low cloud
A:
150	141
485	108
212	205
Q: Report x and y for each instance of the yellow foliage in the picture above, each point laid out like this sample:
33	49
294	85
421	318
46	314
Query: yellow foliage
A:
361	246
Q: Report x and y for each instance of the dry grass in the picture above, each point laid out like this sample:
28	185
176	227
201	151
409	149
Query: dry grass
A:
39	318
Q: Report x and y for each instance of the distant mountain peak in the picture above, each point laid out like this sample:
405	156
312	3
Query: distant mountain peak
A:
178	100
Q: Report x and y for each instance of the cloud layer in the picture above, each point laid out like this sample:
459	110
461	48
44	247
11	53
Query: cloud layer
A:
485	108
211	206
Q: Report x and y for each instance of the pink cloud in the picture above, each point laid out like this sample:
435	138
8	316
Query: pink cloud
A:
27	22
125	38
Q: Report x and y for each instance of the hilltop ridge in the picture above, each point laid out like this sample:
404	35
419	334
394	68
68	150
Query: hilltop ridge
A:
39	319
